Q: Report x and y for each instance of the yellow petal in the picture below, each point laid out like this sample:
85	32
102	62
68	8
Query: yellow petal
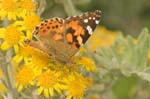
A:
2	88
18	23
14	16
17	58
9	16
1	35
40	90
20	88
81	98
17	84
46	93
63	87
32	83
58	89
37	84
51	91
3	14
16	48
21	44
2	30
29	34
5	46
69	97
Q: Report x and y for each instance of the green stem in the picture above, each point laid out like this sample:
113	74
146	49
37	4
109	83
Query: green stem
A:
5	70
69	7
5	22
25	96
7	76
5	58
41	8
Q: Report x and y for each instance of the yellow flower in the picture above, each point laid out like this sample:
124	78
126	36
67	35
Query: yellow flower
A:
102	37
39	59
1	73
28	24
76	85
8	8
16	8
48	82
12	37
2	88
27	7
35	20
24	77
88	64
23	53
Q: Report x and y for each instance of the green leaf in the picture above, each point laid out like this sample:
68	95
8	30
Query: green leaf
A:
127	54
124	88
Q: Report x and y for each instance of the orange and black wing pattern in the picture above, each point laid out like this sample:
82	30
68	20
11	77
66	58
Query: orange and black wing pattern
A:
61	38
51	28
79	28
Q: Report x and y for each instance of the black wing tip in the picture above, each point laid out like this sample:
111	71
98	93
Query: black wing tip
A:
98	11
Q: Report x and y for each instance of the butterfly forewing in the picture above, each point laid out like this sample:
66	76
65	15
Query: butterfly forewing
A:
51	28
80	28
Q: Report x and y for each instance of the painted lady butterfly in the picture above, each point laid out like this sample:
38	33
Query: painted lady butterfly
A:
60	38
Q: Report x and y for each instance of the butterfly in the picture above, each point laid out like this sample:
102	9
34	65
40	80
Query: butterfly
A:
61	38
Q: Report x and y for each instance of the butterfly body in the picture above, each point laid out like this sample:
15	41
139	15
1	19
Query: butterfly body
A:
60	38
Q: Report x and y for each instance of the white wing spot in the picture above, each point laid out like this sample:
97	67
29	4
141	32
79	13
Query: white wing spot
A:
93	18
85	20
90	18
89	29
96	21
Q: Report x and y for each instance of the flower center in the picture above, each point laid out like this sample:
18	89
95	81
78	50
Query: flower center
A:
35	20
25	51
28	4
8	5
48	79
76	88
12	35
25	75
40	60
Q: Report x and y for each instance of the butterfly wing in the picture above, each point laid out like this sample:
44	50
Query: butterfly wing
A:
80	28
49	29
62	39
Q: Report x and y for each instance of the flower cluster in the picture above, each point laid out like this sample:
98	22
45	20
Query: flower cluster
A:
32	67
50	76
13	9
